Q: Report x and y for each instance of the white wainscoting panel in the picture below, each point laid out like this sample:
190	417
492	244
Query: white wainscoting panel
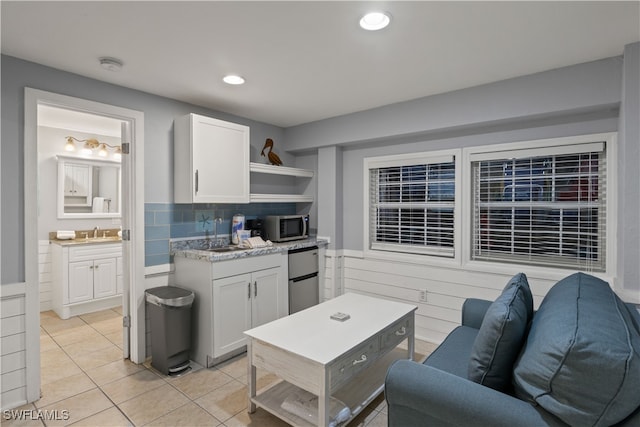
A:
45	276
13	360
445	288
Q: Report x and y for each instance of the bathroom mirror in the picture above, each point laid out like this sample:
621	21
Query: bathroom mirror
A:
88	188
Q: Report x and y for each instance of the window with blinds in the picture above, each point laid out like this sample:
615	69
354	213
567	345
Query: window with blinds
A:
548	209
411	207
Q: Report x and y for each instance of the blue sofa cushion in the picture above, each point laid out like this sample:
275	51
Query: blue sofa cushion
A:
453	354
501	335
581	360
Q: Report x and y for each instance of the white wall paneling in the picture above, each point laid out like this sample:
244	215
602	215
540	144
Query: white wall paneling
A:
44	268
13	347
446	289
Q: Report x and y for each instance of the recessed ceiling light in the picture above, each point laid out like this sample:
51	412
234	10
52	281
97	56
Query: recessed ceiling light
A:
233	79
111	64
375	21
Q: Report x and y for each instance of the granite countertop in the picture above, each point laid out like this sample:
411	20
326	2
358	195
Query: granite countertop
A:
89	241
194	249
107	235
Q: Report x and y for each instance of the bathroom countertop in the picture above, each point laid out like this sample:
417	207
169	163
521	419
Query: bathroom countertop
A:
197	252
89	241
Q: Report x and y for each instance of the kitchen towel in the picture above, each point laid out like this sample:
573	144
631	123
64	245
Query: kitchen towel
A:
98	204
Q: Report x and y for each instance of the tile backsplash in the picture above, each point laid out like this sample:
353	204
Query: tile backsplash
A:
165	221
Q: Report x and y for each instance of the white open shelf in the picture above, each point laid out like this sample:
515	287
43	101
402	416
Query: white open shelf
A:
359	392
280	198
280	170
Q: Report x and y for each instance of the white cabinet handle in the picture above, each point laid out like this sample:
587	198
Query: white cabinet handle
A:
363	358
401	331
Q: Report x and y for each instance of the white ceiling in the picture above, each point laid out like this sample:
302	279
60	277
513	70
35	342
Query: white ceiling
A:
306	61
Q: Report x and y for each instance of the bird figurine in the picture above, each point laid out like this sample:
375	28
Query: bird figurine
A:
273	157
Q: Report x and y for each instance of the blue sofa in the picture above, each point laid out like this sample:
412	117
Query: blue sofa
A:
575	361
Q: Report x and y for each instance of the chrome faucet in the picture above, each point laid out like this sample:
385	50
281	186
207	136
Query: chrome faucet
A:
95	232
216	221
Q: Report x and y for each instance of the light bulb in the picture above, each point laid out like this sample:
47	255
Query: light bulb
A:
103	151
375	21
233	80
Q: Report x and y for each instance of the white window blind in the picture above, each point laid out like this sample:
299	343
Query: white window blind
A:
411	207
546	209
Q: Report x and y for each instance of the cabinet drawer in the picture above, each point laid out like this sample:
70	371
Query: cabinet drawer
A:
90	252
394	334
354	361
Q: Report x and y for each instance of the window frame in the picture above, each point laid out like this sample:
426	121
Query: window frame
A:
535	147
463	215
408	159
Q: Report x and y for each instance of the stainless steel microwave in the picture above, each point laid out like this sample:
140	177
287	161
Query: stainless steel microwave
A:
282	228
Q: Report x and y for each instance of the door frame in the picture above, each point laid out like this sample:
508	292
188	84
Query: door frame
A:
132	219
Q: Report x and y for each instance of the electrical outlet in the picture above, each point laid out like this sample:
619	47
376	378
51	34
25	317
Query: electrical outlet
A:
423	295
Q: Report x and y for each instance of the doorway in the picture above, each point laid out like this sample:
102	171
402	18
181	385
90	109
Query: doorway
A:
132	214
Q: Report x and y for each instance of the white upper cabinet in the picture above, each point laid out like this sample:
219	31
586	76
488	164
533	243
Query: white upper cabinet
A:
211	161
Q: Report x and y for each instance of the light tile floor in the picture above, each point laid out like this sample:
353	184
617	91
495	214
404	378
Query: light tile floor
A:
82	372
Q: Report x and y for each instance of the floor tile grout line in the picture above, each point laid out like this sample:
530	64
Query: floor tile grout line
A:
90	379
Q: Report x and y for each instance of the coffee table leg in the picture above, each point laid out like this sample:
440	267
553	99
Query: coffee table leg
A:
251	377
411	344
323	401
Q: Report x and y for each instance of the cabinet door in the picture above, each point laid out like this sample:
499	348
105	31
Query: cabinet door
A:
69	187
80	281
220	161
264	290
231	313
81	180
104	277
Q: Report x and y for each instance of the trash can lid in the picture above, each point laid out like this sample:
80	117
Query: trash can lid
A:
171	296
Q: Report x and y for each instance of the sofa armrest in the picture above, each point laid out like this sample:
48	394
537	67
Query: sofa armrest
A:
473	311
419	394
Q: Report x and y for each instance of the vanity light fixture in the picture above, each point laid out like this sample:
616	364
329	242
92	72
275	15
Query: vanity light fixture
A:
233	79
102	152
93	144
69	146
374	21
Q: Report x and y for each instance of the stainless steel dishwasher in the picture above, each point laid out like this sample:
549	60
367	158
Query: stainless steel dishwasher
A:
303	278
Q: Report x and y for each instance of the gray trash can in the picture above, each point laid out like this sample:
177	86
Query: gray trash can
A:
170	315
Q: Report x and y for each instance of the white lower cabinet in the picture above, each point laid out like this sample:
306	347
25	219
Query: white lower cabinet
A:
240	303
231	297
86	278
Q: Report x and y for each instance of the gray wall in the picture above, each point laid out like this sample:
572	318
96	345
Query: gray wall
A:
158	127
593	86
599	96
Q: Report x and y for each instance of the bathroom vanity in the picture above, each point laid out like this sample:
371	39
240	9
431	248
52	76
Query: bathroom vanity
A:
87	275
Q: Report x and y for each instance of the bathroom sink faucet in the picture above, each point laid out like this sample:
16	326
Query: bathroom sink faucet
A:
95	232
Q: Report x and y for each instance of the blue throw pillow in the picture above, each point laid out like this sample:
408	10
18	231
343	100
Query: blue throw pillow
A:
501	335
581	360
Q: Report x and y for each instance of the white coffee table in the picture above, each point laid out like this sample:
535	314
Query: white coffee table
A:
347	360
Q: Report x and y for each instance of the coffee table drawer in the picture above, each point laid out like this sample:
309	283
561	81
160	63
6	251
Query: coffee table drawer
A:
354	361
395	333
